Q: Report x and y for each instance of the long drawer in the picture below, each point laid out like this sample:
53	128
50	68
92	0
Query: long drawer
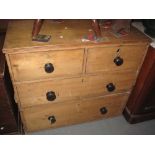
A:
114	58
54	91
43	65
56	115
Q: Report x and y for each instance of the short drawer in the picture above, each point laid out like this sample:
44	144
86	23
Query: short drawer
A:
53	91
49	92
49	116
114	58
43	65
103	107
108	83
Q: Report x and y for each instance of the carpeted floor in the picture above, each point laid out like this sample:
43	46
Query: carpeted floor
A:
112	126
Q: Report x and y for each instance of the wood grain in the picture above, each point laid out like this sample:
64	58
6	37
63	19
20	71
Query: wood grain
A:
18	38
36	118
81	71
102	59
30	66
74	88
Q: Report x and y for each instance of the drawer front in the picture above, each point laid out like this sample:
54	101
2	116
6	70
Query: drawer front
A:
70	89
114	58
50	92
43	65
109	83
105	107
48	116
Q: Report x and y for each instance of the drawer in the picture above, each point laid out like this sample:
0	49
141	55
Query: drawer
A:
114	58
43	65
54	91
109	83
104	107
49	116
50	92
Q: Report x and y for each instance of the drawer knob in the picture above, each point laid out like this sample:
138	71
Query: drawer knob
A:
49	68
50	96
103	110
118	61
52	119
110	87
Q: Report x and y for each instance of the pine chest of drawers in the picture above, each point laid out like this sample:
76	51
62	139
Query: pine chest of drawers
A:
66	81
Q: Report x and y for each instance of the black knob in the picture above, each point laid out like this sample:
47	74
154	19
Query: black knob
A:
52	119
50	96
49	68
103	110
110	87
118	61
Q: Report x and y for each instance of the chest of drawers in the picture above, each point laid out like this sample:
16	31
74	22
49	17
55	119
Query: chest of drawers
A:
67	81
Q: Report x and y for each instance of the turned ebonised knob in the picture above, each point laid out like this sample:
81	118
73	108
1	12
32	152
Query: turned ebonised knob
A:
49	68
110	87
52	119
50	96
118	61
103	110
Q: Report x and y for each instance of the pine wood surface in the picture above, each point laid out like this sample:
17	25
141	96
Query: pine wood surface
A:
36	118
32	94
66	62
30	66
18	38
81	72
101	59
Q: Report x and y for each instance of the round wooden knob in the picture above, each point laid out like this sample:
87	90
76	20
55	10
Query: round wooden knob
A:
103	110
50	96
52	119
118	61
49	68
110	87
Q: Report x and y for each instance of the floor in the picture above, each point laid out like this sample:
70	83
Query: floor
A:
112	126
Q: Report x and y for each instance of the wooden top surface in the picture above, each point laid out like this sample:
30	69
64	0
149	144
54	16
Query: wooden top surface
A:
18	38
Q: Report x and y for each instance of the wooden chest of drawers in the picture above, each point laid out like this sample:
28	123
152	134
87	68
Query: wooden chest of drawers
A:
67	81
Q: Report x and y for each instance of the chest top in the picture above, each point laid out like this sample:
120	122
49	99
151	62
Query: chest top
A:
65	35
